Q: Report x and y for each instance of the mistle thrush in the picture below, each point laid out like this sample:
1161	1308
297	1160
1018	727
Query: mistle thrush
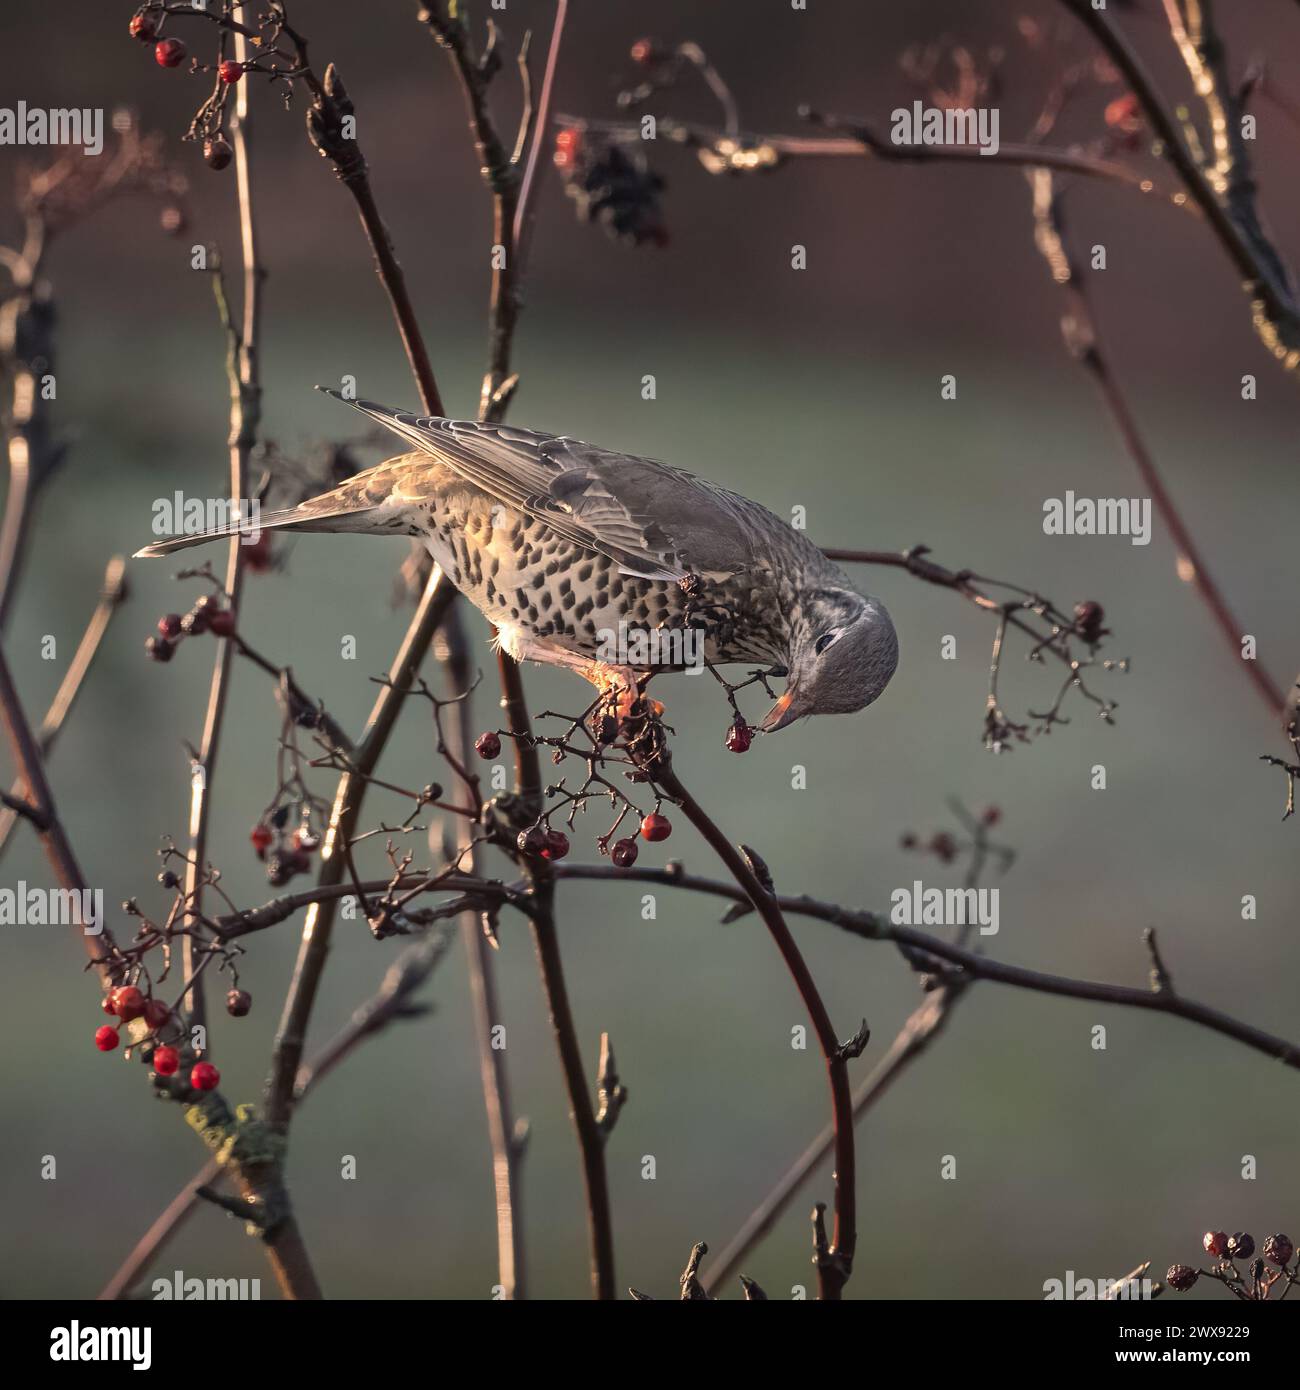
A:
565	547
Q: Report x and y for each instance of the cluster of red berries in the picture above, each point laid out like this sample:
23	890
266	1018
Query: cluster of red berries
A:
654	827
609	187
171	53
1278	1250
541	842
127	1003
291	854
207	615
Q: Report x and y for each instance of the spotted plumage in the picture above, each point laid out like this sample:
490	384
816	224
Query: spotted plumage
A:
566	548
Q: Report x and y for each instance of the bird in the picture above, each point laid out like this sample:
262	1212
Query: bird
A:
563	545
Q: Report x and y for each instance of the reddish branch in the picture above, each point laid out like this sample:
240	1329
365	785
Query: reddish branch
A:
836	1263
1079	330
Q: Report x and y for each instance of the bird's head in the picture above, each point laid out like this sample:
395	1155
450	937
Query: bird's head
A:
843	651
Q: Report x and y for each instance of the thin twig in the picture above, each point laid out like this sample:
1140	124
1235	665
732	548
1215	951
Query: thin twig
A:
245	417
1079	330
112	595
504	1136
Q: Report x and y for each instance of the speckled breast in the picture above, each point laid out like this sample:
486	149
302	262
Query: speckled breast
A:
514	569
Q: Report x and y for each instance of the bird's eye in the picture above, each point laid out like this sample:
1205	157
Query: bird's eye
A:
824	641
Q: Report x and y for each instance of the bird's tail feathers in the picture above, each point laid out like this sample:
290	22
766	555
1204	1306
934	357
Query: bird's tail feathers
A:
311	516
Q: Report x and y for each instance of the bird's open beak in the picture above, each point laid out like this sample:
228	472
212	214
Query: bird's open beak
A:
781	714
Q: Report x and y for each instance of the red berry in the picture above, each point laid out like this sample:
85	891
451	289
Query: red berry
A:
992	814
487	745
1215	1243
531	841
230	71
106	1038
261	837
624	853
1278	1250
556	846
166	1061
159	648
944	846
217	154
645	51
204	1076
128	1002
257	556
156	1013
172	222
1123	112
238	1003
142	27
1181	1277
739	737
106	1003
568	146
169	625
221	622
1241	1246
656	827
1088	618
170	53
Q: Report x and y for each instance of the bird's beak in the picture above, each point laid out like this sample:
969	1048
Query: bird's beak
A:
781	714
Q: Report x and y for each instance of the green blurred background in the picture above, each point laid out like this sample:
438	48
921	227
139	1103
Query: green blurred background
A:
816	388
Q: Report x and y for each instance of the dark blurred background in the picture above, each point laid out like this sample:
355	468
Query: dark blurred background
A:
816	388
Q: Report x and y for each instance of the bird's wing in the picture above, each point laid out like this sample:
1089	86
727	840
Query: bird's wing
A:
653	521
